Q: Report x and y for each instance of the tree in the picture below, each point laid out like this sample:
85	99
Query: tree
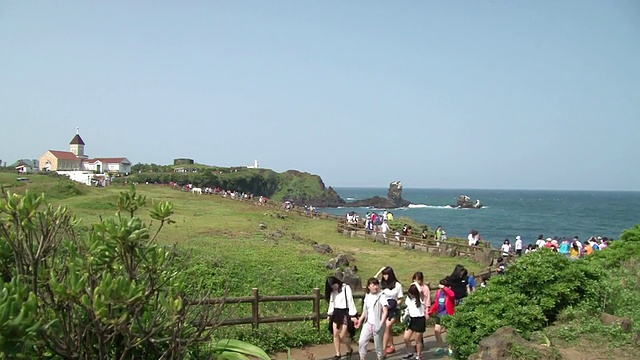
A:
107	292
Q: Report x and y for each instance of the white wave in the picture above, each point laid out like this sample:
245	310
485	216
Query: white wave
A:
417	206
350	199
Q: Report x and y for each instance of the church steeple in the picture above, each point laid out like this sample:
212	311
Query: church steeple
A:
77	145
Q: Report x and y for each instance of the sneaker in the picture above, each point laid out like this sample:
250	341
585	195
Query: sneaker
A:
418	358
438	352
390	350
408	356
450	352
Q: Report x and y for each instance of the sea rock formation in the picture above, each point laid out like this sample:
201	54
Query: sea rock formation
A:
393	200
464	202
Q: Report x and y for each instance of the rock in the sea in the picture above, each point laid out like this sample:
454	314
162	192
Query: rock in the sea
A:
323	248
464	202
394	199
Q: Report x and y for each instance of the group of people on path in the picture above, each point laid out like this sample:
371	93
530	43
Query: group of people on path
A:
385	304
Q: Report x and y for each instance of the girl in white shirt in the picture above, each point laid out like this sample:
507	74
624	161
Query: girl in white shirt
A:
392	290
506	248
417	321
375	312
342	311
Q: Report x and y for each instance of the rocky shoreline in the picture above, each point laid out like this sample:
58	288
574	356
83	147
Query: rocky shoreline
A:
393	200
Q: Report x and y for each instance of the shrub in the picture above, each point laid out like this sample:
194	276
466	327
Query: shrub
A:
528	297
108	294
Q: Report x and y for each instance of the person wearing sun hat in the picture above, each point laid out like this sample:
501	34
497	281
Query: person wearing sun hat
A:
518	246
548	243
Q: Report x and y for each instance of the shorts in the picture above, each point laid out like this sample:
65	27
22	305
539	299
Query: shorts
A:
418	324
340	316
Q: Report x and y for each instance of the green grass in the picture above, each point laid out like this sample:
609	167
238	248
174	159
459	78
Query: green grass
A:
222	247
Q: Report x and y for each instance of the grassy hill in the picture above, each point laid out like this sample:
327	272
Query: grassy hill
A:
301	187
223	247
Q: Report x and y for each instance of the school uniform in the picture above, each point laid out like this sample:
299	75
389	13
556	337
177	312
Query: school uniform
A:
417	320
342	306
393	296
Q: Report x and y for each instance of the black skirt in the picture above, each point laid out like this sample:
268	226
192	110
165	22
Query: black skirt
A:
418	324
340	316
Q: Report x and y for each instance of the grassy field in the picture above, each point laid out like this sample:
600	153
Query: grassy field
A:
223	247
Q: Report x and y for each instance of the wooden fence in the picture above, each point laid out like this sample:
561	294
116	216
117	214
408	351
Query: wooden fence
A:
430	244
256	299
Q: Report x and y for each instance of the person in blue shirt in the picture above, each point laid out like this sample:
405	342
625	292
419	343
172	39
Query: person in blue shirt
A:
564	247
471	283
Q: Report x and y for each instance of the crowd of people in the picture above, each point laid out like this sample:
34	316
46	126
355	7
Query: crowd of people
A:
570	247
386	303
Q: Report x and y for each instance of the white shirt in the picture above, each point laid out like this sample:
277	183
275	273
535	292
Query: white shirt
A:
384	227
472	240
518	244
540	243
506	249
395	293
342	300
414	310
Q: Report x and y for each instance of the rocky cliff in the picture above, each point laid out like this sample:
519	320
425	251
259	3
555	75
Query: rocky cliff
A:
300	187
393	200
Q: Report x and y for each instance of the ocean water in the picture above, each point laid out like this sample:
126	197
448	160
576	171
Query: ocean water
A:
508	213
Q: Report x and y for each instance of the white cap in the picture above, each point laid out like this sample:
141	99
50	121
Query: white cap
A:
518	237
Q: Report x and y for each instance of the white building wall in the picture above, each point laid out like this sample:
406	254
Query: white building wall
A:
79	176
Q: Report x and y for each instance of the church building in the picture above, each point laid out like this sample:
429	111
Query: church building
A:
76	160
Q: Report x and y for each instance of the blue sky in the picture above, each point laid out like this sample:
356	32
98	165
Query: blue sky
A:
438	94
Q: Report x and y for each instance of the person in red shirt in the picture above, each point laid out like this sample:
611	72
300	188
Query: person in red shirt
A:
444	305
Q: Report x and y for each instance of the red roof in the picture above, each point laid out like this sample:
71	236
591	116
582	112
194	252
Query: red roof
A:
64	155
107	160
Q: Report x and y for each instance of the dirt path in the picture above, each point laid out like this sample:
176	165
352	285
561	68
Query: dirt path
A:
326	352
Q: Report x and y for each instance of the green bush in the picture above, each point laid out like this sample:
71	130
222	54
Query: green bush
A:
528	297
101	294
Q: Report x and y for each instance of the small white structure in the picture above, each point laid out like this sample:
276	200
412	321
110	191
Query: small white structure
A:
111	165
24	169
255	165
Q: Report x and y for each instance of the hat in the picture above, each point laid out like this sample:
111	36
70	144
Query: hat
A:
549	239
518	237
599	237
554	242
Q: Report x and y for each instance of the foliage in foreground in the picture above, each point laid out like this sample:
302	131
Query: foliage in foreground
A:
109	294
543	287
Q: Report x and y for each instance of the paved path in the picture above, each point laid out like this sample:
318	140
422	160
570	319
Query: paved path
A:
326	352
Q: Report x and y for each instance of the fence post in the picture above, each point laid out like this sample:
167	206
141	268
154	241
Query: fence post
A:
255	314
316	308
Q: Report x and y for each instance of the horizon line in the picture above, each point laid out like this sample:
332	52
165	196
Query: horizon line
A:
493	189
